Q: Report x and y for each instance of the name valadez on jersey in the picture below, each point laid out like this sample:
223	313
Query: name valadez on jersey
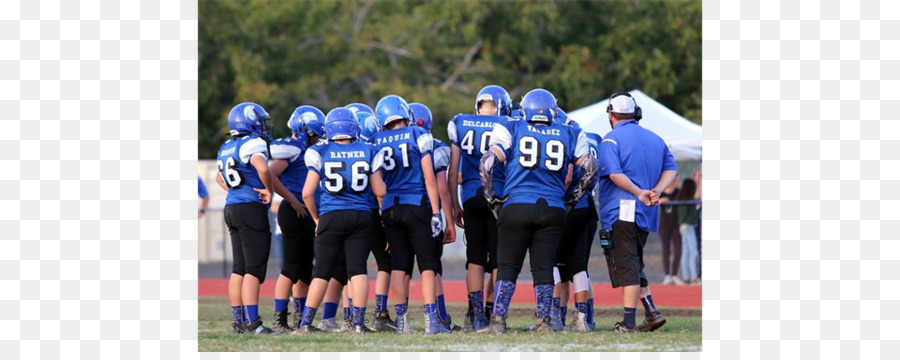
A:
347	154
478	124
393	138
538	130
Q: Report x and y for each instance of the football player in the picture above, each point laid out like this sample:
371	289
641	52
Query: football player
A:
348	170
423	119
244	173
406	211
537	151
470	136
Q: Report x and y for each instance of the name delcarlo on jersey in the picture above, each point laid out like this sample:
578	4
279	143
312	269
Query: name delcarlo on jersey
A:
593	149
344	170
472	134
294	175
234	164
402	150
537	159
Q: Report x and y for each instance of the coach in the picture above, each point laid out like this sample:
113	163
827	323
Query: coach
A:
635	167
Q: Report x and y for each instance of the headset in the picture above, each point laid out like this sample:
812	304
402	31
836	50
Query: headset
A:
638	114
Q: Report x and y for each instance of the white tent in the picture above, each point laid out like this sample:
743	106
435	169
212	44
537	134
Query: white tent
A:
683	136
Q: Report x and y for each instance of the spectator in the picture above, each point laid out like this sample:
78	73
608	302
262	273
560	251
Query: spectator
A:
669	235
687	220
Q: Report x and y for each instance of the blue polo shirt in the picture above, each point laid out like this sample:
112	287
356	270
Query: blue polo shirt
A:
642	156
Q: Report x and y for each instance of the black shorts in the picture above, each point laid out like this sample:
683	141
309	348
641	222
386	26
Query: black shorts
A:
625	260
532	228
342	232
575	245
438	252
251	238
408	231
481	232
378	243
298	234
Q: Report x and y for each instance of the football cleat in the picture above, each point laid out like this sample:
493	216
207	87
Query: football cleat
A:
579	323
280	324
346	325
329	325
469	321
383	322
652	322
621	328
433	325
360	329
497	325
238	328
257	327
305	329
556	319
543	325
448	323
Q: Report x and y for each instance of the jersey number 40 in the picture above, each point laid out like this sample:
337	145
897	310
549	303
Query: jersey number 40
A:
468	142
233	177
554	153
335	183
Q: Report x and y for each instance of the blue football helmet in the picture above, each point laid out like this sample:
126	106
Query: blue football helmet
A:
341	124
561	116
357	107
368	126
392	108
315	125
538	105
301	116
248	118
498	95
421	116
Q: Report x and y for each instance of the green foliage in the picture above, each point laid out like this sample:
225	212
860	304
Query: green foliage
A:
283	54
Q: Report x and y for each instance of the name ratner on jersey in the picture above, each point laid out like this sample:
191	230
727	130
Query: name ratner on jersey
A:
234	164
403	150
537	159
594	149
472	134
344	170
294	175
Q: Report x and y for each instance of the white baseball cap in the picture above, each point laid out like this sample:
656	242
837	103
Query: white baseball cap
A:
622	104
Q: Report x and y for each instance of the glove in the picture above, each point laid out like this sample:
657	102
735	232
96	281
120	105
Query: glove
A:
496	204
436	224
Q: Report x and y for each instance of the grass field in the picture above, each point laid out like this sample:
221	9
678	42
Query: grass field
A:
682	332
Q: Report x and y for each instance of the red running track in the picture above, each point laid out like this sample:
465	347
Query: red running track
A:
455	291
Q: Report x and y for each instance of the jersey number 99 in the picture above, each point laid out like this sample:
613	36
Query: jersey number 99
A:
530	154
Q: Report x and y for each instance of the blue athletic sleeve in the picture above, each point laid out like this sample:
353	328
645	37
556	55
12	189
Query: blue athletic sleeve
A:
203	192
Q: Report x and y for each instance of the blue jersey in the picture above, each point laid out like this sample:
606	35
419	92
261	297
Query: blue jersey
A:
344	170
372	129
294	175
403	150
594	149
440	156
202	190
472	134
234	165
537	159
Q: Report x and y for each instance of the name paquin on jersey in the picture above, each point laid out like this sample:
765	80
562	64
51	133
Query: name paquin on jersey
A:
347	154
394	138
544	131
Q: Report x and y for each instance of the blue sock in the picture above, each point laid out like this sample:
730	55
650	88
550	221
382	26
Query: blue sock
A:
329	311
400	309
237	312
299	304
349	301
347	313
308	315
503	293
582	308
442	306
381	302
281	305
252	313
629	317
562	314
476	298
649	307
430	308
544	296
359	315
590	311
